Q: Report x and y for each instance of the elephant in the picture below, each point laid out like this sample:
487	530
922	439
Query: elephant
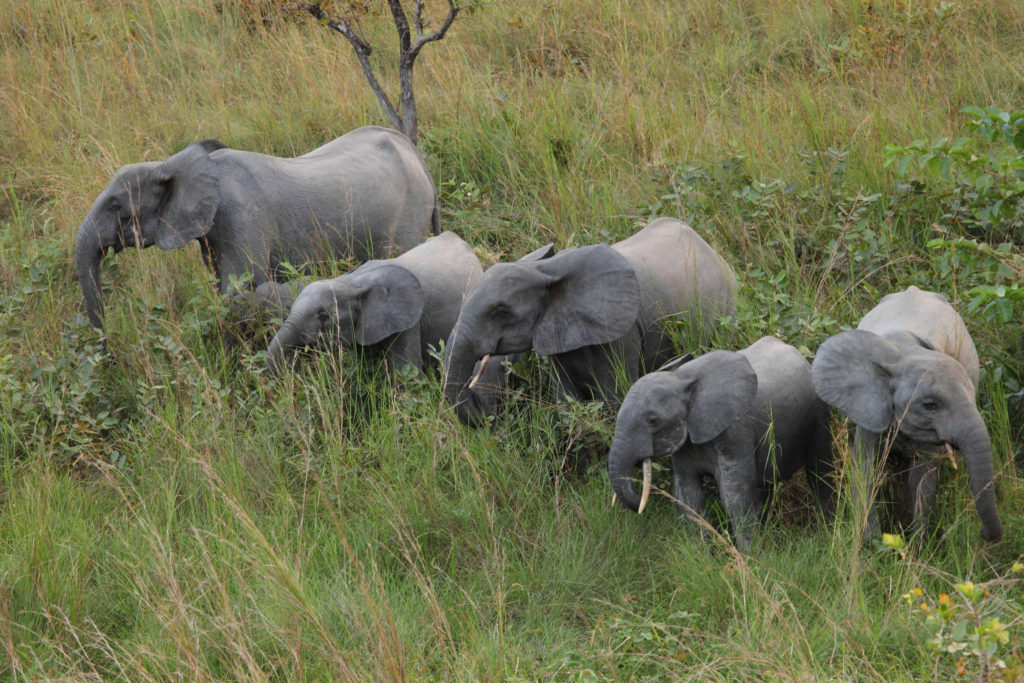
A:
749	419
365	194
391	309
592	309
911	367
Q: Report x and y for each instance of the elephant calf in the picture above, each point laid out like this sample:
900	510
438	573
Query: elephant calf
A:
393	309
911	364
748	419
591	309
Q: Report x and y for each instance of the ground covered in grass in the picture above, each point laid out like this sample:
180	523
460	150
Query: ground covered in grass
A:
170	512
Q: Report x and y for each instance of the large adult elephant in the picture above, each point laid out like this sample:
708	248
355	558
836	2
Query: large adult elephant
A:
365	194
911	366
597	311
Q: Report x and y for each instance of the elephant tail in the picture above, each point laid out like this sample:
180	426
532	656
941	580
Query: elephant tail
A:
435	218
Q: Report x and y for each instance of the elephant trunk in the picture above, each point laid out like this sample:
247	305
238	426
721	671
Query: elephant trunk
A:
622	461
90	246
976	447
472	402
281	352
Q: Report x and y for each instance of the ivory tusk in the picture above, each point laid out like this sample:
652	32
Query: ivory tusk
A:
615	499
476	377
646	493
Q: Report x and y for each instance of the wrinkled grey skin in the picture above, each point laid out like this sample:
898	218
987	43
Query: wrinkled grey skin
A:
911	364
391	309
590	309
367	193
749	419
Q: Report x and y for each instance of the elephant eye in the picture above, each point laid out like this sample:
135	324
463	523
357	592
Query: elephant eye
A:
930	405
652	420
501	312
322	316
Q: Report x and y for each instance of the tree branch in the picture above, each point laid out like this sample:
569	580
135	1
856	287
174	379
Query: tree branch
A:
404	117
401	24
422	39
363	51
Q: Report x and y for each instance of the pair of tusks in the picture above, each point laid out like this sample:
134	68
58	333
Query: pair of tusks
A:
483	365
646	492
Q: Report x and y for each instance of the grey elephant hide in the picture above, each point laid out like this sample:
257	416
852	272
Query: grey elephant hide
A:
393	309
365	194
910	370
749	419
598	311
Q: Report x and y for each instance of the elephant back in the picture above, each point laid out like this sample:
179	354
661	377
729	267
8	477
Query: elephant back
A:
679	275
447	269
786	401
929	317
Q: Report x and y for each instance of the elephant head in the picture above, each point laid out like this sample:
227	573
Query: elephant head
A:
364	307
878	381
693	402
580	297
165	203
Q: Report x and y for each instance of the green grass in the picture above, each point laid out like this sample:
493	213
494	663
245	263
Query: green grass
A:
174	513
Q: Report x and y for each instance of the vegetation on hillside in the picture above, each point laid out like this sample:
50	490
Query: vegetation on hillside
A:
170	511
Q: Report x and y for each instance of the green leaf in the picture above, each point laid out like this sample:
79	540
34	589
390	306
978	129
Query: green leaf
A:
975	111
901	168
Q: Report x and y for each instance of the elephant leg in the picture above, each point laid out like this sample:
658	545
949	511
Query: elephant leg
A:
821	470
688	491
565	385
923	480
865	452
405	350
742	498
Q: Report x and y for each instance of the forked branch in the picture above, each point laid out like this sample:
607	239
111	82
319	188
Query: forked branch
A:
404	116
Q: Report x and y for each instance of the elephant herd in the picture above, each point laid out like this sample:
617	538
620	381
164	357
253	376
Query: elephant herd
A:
907	377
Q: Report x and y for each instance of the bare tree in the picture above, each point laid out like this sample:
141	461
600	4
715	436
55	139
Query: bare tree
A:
403	117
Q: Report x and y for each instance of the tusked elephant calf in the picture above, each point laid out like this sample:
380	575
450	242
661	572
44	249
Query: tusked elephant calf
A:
911	367
749	419
594	310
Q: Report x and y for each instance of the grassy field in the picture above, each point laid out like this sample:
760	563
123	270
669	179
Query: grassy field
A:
170	512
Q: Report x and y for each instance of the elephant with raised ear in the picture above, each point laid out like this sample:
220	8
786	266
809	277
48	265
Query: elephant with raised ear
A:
597	311
365	194
749	419
911	368
392	309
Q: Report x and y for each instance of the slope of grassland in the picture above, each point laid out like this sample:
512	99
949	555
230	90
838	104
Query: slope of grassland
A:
171	512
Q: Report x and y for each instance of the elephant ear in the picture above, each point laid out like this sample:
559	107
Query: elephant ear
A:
721	386
547	251
191	195
852	371
593	298
391	300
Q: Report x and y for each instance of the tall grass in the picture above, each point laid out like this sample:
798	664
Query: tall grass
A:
171	512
